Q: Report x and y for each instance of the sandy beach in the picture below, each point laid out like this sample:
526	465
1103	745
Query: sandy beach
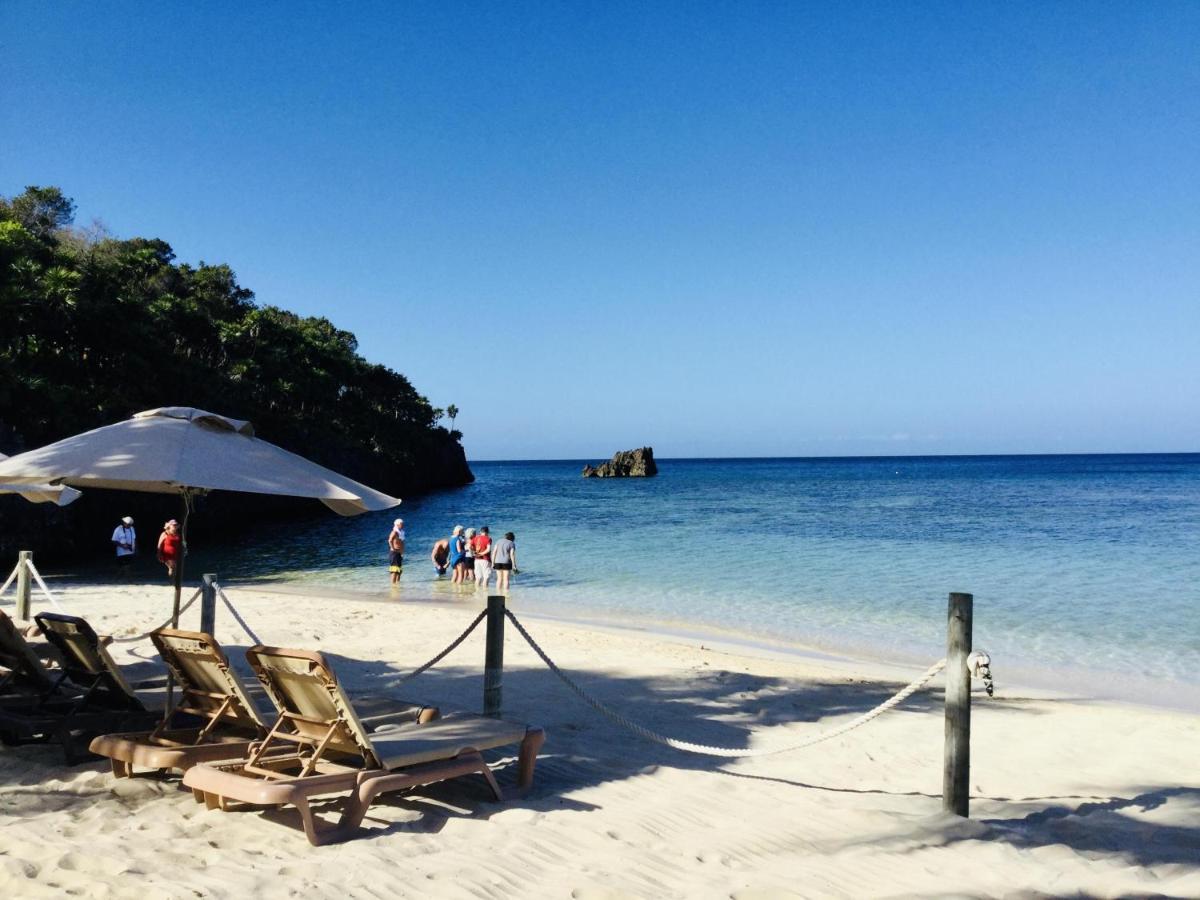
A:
1070	795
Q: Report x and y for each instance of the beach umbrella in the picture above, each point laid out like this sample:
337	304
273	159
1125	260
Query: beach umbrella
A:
186	451
41	493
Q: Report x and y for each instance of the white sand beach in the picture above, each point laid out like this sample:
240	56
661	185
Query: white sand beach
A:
1070	795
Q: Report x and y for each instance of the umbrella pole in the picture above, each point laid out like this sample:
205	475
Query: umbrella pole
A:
187	509
178	579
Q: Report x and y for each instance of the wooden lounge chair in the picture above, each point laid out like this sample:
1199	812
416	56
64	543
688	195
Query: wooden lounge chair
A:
88	696
333	753
216	717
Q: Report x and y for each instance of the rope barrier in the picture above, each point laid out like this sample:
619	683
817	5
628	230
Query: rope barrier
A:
705	749
233	611
143	636
449	649
11	577
37	576
28	563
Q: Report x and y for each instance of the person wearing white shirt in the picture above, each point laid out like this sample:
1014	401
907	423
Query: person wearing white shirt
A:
124	539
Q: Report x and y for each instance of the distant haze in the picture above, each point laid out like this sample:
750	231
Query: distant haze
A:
729	230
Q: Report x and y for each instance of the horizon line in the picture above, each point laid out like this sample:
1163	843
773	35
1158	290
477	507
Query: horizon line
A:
1031	453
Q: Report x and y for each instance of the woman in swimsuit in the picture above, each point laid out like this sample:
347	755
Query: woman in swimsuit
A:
170	547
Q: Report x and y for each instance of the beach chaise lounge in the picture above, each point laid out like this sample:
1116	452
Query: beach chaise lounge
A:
88	696
215	717
23	675
332	752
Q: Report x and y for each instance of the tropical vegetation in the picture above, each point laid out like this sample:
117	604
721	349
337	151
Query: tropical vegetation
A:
94	328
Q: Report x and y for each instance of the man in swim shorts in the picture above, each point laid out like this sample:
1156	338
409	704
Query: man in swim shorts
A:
396	550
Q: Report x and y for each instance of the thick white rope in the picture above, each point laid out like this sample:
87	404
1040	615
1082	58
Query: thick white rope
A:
28	563
449	649
38	578
143	636
233	610
689	747
11	578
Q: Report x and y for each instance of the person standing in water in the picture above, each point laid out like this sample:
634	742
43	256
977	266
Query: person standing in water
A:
481	546
441	555
468	556
458	551
504	560
396	550
170	547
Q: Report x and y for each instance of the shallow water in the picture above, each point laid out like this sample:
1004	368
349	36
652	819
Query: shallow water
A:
1076	562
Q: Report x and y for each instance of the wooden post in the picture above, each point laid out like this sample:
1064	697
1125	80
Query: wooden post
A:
23	576
956	776
493	663
208	602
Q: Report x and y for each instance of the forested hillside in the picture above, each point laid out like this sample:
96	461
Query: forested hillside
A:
93	329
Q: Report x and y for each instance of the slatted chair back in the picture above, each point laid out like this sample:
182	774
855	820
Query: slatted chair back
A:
86	661
209	687
24	670
314	711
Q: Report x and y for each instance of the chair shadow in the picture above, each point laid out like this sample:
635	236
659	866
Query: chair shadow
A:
706	705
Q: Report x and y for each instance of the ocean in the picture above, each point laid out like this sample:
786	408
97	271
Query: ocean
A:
1085	568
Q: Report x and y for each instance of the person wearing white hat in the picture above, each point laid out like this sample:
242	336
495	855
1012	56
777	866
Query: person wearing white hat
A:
124	539
396	539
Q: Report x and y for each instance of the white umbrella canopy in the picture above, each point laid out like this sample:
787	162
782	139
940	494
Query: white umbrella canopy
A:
41	493
186	451
177	450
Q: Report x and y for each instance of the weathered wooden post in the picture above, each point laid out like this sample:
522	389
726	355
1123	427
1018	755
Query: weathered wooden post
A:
956	785
23	558
493	662
208	602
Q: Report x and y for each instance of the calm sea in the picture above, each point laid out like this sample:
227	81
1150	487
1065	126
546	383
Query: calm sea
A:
1079	564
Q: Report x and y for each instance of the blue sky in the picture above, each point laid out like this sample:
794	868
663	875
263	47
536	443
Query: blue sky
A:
721	229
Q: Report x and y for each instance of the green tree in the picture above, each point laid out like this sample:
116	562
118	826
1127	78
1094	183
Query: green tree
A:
41	211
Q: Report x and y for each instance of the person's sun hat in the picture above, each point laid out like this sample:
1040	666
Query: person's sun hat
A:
170	522
128	520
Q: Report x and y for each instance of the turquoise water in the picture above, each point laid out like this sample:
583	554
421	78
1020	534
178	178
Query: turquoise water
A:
1076	562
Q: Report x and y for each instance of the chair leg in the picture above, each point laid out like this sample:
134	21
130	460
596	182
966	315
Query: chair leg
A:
121	768
530	747
486	771
319	834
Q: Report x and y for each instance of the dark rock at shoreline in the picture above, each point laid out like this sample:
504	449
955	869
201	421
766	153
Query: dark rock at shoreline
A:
625	464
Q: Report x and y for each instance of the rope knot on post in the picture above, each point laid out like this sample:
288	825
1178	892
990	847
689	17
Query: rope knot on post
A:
979	664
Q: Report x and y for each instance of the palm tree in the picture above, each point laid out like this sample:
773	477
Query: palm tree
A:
452	413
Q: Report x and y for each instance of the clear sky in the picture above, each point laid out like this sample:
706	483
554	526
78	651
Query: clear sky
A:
727	229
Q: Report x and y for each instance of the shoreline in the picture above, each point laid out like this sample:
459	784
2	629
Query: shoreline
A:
1080	683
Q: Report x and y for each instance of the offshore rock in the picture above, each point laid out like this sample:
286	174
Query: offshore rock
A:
625	464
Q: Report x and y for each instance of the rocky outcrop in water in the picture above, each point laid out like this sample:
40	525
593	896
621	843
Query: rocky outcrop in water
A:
625	464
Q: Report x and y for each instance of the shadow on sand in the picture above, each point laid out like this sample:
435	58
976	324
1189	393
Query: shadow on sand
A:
715	707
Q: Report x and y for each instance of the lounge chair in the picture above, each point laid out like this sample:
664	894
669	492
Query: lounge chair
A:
23	675
88	696
333	753
215	718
